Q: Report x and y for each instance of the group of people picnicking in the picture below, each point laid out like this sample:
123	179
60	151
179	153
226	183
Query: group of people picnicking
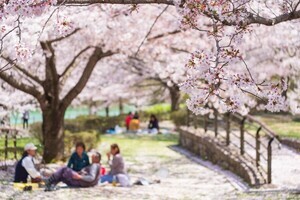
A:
132	122
79	172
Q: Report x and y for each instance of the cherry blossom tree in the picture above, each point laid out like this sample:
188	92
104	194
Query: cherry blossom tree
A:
48	80
240	15
70	53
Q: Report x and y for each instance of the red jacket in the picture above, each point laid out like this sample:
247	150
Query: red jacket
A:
128	119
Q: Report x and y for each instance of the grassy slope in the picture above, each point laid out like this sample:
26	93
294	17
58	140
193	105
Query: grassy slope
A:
283	125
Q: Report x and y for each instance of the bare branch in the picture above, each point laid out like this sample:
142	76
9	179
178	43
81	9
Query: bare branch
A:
24	71
64	37
160	14
73	61
20	86
164	35
97	55
88	2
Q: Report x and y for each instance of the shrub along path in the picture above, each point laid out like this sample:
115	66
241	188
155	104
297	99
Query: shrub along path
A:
150	157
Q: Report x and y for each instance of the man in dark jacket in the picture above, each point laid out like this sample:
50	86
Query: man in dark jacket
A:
87	177
26	167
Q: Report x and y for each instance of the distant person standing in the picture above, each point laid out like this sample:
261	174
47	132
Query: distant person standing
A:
153	124
25	119
127	120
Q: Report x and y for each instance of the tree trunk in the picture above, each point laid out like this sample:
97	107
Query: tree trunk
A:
53	134
121	107
175	97
107	111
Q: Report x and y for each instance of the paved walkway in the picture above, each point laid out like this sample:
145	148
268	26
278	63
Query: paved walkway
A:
286	168
285	161
181	178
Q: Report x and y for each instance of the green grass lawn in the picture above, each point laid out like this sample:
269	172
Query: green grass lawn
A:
133	145
283	125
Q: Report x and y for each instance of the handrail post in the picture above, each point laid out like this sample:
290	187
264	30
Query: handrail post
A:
270	160
242	138
228	129
195	121
15	144
257	138
188	118
6	145
205	123
216	122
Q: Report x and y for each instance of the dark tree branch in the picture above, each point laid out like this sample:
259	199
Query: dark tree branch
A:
97	55
63	37
73	61
24	71
88	2
148	33
251	19
20	86
164	35
50	60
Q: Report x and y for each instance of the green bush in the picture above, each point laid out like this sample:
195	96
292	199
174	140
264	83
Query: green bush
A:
179	117
36	131
158	109
82	128
93	123
90	139
161	111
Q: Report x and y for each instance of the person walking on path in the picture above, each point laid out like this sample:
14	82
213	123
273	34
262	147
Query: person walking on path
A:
25	118
79	159
25	167
88	177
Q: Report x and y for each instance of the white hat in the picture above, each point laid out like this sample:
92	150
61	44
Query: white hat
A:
30	146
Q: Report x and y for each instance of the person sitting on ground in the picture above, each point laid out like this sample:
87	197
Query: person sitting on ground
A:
25	167
88	177
135	123
79	159
127	120
153	124
117	167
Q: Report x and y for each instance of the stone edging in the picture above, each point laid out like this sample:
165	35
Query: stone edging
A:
292	143
208	149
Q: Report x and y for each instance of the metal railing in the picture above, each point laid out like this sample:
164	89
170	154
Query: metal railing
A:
247	135
8	138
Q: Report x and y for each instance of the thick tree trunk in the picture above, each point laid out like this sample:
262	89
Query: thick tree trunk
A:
53	134
175	97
